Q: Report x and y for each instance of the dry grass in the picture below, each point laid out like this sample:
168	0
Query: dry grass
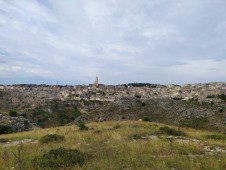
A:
110	146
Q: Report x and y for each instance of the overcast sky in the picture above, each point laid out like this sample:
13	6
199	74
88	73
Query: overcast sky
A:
121	41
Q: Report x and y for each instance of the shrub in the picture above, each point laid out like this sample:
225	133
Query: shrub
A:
221	110
82	126
146	118
177	98
170	131
210	96
51	138
222	97
26	123
13	113
216	137
10	130
63	119
143	104
76	112
59	158
6	129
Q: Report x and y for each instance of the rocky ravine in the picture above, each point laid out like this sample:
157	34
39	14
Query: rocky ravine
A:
190	114
57	112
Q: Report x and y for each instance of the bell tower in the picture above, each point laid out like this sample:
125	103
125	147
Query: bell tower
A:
96	82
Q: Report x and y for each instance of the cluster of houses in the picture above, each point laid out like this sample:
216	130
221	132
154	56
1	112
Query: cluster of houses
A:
102	92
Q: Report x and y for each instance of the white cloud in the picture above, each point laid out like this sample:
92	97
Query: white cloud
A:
161	33
198	70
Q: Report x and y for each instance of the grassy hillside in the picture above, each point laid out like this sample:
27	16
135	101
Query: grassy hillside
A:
118	145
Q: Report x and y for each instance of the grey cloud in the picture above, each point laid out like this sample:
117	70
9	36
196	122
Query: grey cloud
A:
121	41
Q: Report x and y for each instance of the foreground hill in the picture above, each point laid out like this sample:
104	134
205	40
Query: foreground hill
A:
114	145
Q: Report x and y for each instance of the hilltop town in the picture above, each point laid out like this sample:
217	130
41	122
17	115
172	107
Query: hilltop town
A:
100	92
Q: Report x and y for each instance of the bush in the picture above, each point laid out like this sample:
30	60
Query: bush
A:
51	138
177	98
6	129
143	104
210	96
76	112
170	131
221	110
222	97
63	119
146	118
59	158
82	126
13	113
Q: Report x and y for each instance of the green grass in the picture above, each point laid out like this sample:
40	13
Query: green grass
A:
111	145
219	137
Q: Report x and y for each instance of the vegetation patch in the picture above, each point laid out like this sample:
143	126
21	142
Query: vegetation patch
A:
133	146
2	140
64	113
188	149
170	131
177	98
221	110
5	129
76	113
210	96
220	96
97	131
51	138
82	126
136	137
63	119
13	113
196	123
146	118
216	137
143	104
59	158
117	126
